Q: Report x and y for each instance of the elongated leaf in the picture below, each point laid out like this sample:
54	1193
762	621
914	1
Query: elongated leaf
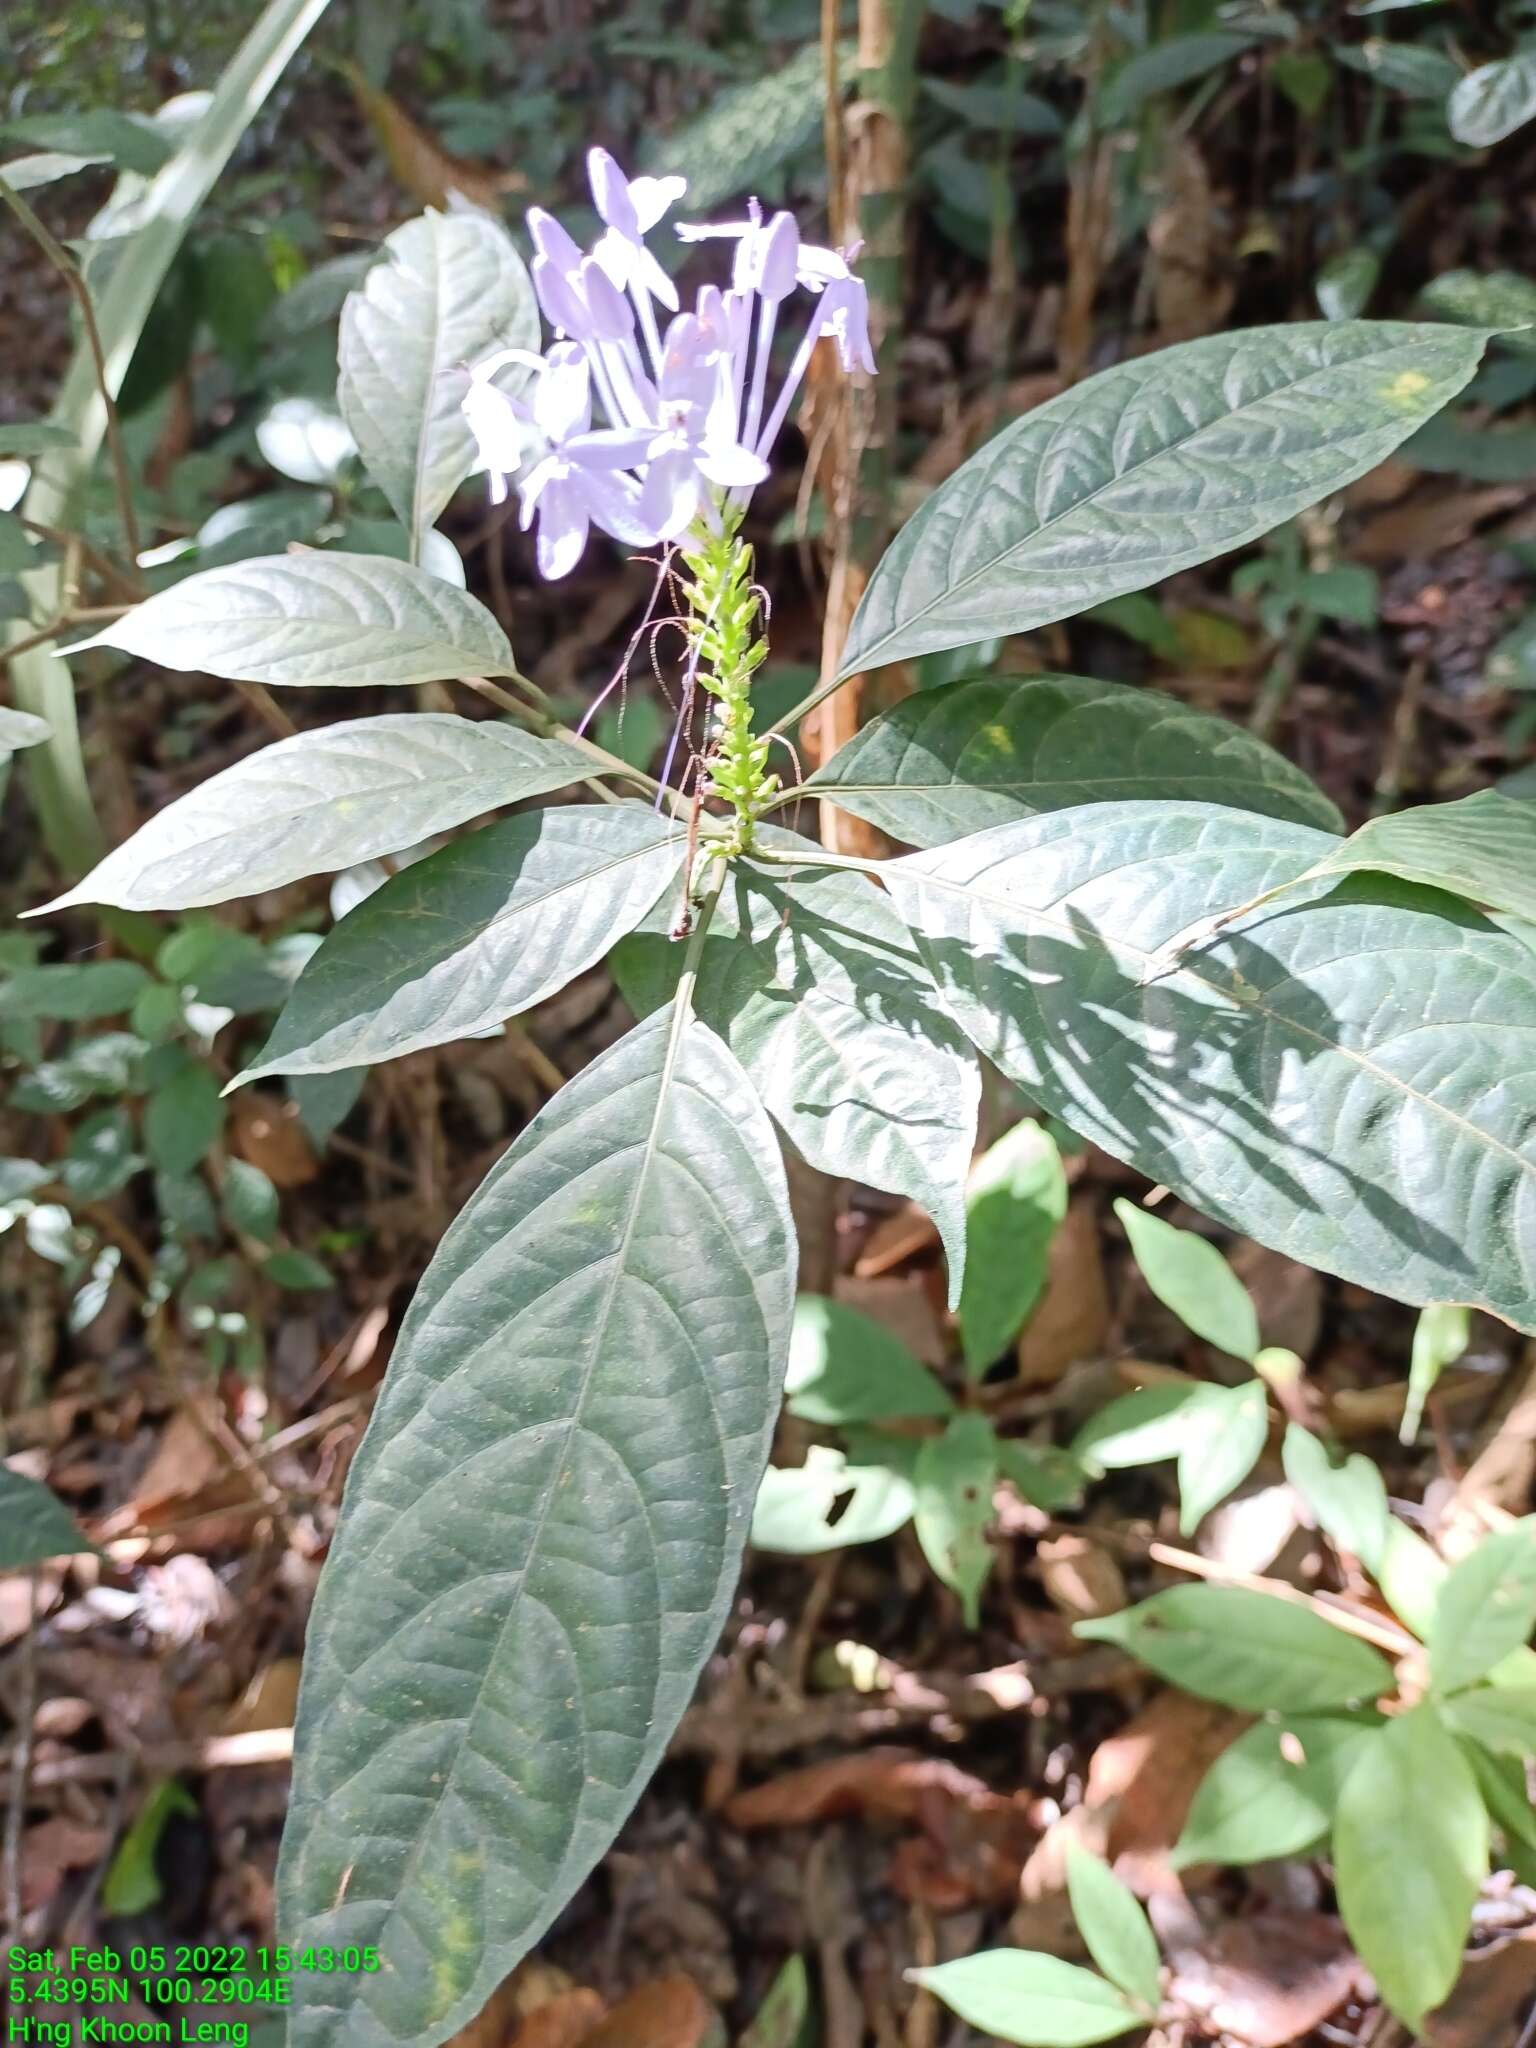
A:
986	749
34	1524
1189	1275
1493	101
453	289
846	1367
1410	1852
1348	1496
1141	1428
75	992
1502	1718
1115	1928
1147	469
828	1503
321	801
540	1536
472	935
1164	65
1485	1609
1349	1078
954	1478
41	681
1271	1793
1014	1201
317	618
1252	1651
1440	1336
1036	2000
817	988
1482	847
1225	1433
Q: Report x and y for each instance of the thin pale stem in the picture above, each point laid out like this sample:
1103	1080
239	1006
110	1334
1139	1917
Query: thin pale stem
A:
69	270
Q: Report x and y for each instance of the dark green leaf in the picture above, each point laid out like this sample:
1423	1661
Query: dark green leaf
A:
472	935
250	1201
1149	468
73	993
1164	65
1494	300
541	1533
989	748
1343	1075
1409	68
182	1119
34	1524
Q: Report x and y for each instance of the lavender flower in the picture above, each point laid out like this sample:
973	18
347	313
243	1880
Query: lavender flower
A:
685	438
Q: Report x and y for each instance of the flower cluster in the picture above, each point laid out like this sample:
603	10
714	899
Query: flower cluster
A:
686	425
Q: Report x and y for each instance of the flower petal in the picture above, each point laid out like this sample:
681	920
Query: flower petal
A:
651	197
669	497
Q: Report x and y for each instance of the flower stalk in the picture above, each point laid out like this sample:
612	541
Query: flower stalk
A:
725	651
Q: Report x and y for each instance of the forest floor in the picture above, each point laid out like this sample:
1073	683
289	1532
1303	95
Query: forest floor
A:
863	1781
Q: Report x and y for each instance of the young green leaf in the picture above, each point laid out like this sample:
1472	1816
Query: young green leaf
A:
1141	1428
1271	1793
72	992
1014	1201
954	1478
1485	1609
296	1271
1440	1336
1410	1852
1253	1651
1035	2000
453	288
132	1883
321	801
318	618
1117	1932
1048	1478
1482	847
845	1367
988	749
1189	1275
1354	1031
183	1118
541	1533
1175	457
1225	1433
783	2019
250	1201
1493	101
34	1524
1502	1782
829	1502
816	986
1501	1718
472	935
1410	1574
1346	1494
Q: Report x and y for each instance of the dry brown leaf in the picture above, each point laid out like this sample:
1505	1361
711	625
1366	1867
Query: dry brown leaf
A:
50	1851
1150	1771
1265	1981
418	160
1192	283
265	1130
1495	1992
1071	1320
268	1701
904	1234
185	1461
904	1307
565	2021
671	2013
1081	1579
1432	521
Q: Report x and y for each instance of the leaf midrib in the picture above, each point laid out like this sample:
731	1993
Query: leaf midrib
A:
869	658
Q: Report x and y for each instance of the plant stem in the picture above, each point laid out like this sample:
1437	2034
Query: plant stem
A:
70	271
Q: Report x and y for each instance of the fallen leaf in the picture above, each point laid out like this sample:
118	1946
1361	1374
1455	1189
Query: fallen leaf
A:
418	160
1071	1319
904	1307
671	2013
1431	521
564	2021
265	1131
1192	284
50	1851
902	1235
1081	1579
1265	1981
1148	1774
1494	1993
268	1701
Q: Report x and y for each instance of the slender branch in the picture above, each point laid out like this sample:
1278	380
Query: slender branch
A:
71	273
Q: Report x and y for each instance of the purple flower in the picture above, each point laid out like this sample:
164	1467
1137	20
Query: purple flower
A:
697	444
580	479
